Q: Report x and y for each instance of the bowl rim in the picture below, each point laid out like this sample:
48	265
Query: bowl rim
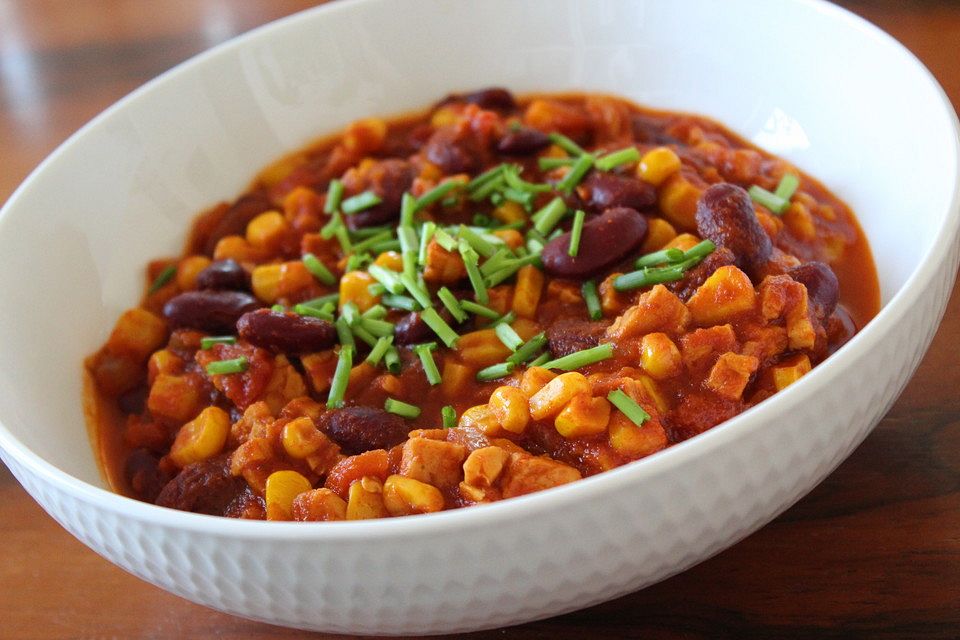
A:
884	323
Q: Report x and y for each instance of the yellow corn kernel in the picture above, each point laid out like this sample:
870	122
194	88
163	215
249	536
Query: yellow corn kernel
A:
660	356
444	116
390	260
430	172
265	282
555	395
266	231
353	288
281	488
188	270
235	248
510	406
684	241
632	441
455	379
511	237
652	390
678	201
300	438
201	438
509	211
161	362
483	466
365	136
526	295
481	348
659	233
480	417
657	165
137	333
174	398
790	370
534	379
725	294
583	416
365	500
406	496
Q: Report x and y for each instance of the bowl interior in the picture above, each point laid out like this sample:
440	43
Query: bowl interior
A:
800	78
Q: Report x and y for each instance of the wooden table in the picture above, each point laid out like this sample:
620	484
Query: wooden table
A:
874	551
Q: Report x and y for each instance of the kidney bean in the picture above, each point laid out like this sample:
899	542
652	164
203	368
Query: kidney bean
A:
489	98
142	471
211	311
388	179
359	429
203	487
523	142
823	288
224	274
651	131
451	152
725	214
568	336
411	329
607	190
286	332
235	220
696	276
604	241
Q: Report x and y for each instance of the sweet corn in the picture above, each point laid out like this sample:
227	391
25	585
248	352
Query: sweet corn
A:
265	282
188	270
266	231
281	489
236	248
534	379
480	417
455	379
302	202
444	116
390	260
481	348
318	505
659	233
406	496
365	500
727	293
660	356
483	466
629	440
650	389
510	406
554	396
657	165
678	201
174	398
365	136
201	438
353	288
583	416
138	333
509	211
300	438
163	361
684	241
526	294
789	370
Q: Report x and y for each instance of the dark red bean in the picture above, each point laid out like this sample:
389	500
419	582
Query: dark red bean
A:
523	142
568	336
134	400
224	274
235	220
203	487
142	470
211	311
604	241
388	179
452	152
359	429
823	288
696	276
651	131
411	329
286	332
725	214
605	190
489	98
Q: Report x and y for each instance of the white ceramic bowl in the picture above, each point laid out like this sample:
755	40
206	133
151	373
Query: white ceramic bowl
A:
803	78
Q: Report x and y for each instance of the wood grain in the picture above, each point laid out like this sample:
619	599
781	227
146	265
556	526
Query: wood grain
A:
873	552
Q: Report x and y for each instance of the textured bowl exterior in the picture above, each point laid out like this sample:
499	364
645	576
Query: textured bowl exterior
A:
534	556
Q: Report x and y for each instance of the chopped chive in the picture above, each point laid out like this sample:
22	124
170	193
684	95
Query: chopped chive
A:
426	234
385	245
488	189
376	327
576	173
546	164
439	326
424	351
408	207
208	342
387	277
366	232
376	312
226	367
445	240
479	309
344	335
508	336
357	261
470	260
582	358
376	289
409	244
542	359
351	313
400	302
334	196
528	349
547	218
312	312
699	251
369	242
278	308
503	273
575	233
333	298
437	193
449	416
482	220
449	201
497	198
628	407
360	202
343	238
497	261
484	178
647	277
511	174
771	201
495	372
377	352
788	186
524	198
414	289
659	257
402	409
566	144
392	359
361	332
162	278
318	269
616	158
341	376
452	304
592	299
476	242
506	318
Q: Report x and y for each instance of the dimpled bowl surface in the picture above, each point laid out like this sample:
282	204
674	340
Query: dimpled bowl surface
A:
125	188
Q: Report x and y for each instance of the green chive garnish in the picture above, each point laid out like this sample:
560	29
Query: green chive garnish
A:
576	173
592	299
470	260
425	353
547	218
566	144
575	233
452	304
511	174
771	201
426	234
330	298
360	202
699	251
788	186
344	335
484	178
528	349
506	318
659	257
478	243
628	407
409	244
445	240
488	189
334	196
495	372
479	309
414	289
376	289
508	336
408	207
542	359
384	246
647	277
449	416
388	278
376	354
400	302
312	312
376	312
546	164
482	220
350	312
341	376
616	158
208	342
371	241
439	326
582	358
379	328
162	278
364	335
278	308
437	193
392	359
318	269
226	367
402	409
